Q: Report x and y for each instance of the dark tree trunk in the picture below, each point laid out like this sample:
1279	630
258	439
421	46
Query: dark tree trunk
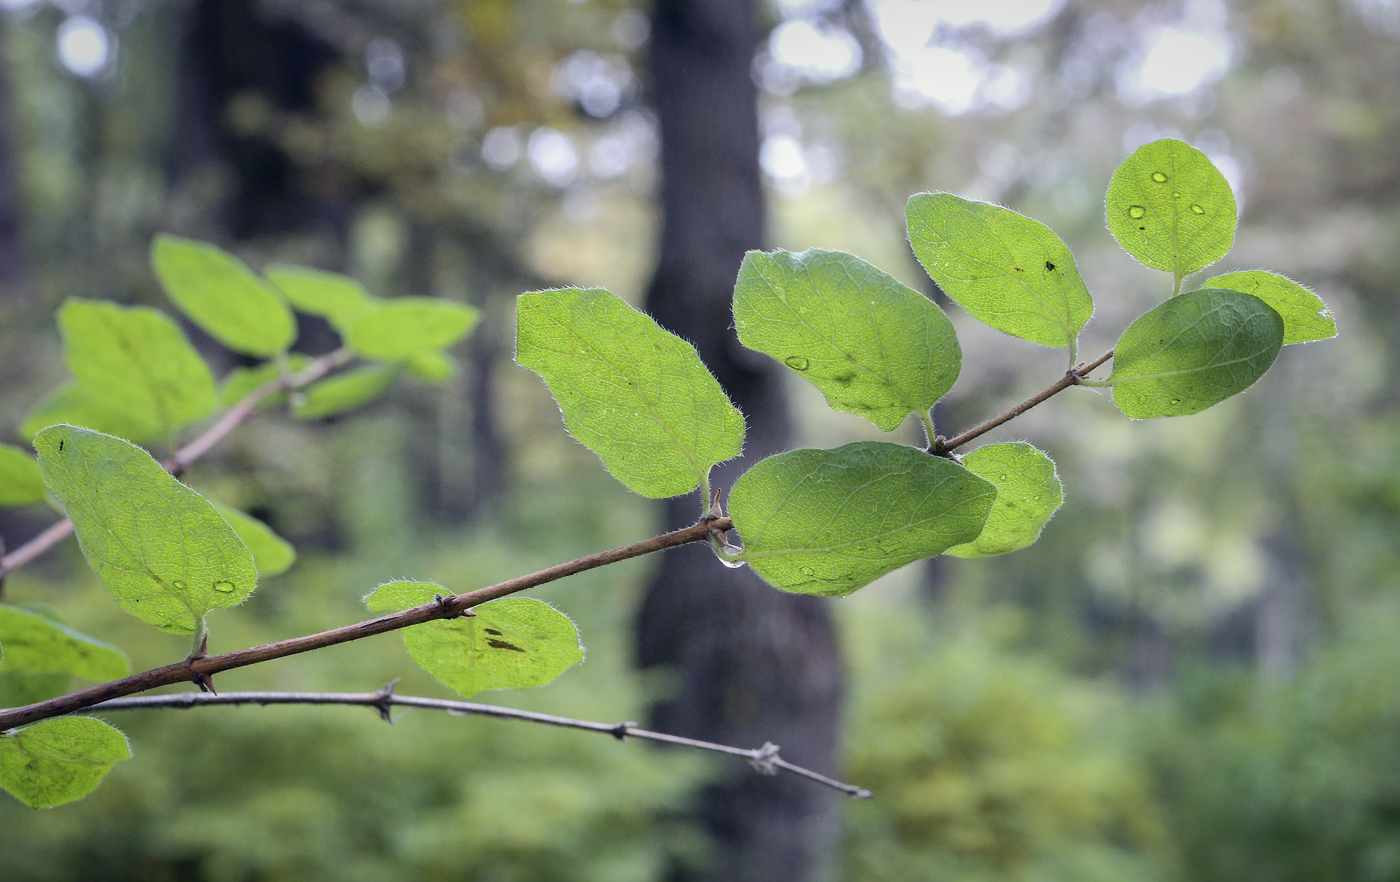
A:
751	663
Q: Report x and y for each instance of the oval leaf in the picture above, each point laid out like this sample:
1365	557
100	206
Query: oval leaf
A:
1007	270
20	482
1305	316
34	644
160	548
75	405
60	760
222	296
515	643
272	554
352	389
1028	493
339	299
138	362
401	328
873	346
831	521
637	396
1170	208
1193	351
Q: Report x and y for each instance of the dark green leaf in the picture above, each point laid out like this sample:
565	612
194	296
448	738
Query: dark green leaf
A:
634	394
159	547
223	296
402	328
1305	316
60	760
1193	351
872	345
515	643
20	483
346	391
1028	493
1170	208
1007	270
831	521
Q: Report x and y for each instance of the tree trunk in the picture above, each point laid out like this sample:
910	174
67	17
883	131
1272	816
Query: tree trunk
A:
751	663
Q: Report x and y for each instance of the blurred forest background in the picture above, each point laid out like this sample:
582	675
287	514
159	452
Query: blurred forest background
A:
1194	675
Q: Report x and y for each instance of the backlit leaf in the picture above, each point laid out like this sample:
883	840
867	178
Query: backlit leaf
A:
272	554
831	521
339	299
20	483
60	760
873	346
634	394
243	381
37	645
514	643
398	329
75	405
347	391
1305	316
1028	493
1007	270
160	548
223	296
1193	351
1170	208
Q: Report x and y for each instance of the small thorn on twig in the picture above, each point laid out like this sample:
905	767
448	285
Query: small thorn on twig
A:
384	701
764	759
621	730
445	602
204	681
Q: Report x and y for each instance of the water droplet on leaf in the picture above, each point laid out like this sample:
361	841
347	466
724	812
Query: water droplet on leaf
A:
1197	209
224	587
732	564
1159	177
807	571
796	362
1136	211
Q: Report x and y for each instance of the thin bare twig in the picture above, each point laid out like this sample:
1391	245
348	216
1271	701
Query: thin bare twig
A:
765	759
945	446
197	669
191	452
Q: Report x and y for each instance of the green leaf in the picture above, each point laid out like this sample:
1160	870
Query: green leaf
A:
831	521
1007	270
18	689
1028	493
346	391
401	328
1305	316
223	296
1193	351
75	405
636	395
34	644
243	381
339	299
160	548
431	367
272	554
516	643
60	760
873	346
137	361
1170	208
20	482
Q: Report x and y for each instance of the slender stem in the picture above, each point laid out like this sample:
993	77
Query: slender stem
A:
449	607
1071	378
1176	287
765	758
187	455
928	428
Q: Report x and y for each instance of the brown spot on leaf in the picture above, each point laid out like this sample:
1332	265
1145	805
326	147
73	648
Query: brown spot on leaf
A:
493	632
501	644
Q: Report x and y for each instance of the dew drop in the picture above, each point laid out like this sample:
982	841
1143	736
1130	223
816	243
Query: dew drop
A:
1197	209
807	571
1136	211
1159	177
796	362
224	587
732	564
178	585
1176	194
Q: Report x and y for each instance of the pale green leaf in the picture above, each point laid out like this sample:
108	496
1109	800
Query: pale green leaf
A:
634	394
405	326
1305	316
431	367
160	548
60	760
75	405
223	296
1028	493
873	346
831	521
241	382
20	482
1007	270
35	644
137	361
18	689
272	554
347	391
1170	208
339	299
515	643
1193	351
